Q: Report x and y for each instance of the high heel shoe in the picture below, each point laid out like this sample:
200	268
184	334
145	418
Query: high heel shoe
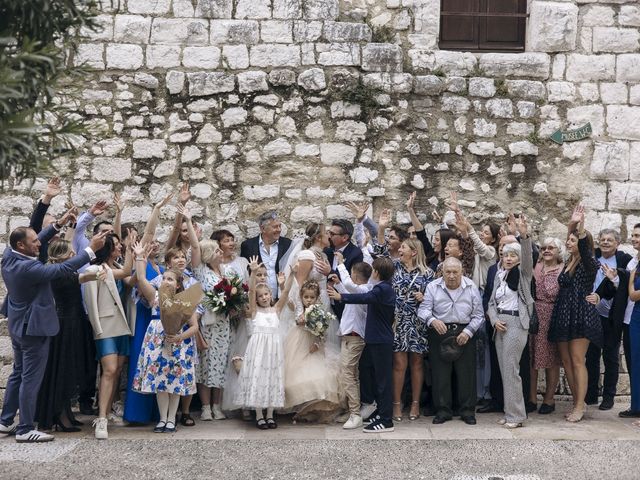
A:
397	418
417	415
58	426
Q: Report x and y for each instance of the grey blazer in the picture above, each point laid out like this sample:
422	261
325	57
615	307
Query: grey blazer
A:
525	298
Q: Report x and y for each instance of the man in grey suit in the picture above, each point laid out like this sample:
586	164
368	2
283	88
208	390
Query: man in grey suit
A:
30	308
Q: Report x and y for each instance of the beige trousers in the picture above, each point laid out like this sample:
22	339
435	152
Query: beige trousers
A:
350	353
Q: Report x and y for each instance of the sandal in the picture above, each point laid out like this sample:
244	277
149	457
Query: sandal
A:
271	423
159	428
170	429
262	424
399	417
187	420
417	415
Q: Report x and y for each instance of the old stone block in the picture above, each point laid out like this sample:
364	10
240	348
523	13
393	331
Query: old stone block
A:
306	214
175	81
90	55
482	128
561	91
390	82
382	57
276	31
429	85
282	77
111	169
201	57
307	150
610	161
596	221
624	195
320	9
334	54
235	57
287	8
124	56
610	39
153	7
578	116
183	8
346	32
598	16
209	134
454	63
214	8
132	29
342	109
337	154
233	116
363	175
628	68
145	80
613	93
350	130
499	108
253	9
623	122
253	81
209	83
522	148
526	89
634	95
179	31
312	79
634	162
277	148
260	192
144	148
585	68
553	27
163	56
103	31
629	16
482	87
535	65
274	55
304	31
234	31
455	104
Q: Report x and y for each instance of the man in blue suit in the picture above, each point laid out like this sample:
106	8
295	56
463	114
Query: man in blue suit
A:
30	308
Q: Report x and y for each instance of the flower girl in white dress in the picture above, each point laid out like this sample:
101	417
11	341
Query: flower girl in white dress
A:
261	378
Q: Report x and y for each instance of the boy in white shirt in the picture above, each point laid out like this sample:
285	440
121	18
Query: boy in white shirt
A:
352	327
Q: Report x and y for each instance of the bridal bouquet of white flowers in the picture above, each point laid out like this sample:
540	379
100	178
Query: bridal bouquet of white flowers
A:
316	320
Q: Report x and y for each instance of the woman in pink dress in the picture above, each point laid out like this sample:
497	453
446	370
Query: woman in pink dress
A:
544	354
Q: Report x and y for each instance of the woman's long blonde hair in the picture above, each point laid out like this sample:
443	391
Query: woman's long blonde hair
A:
58	250
421	258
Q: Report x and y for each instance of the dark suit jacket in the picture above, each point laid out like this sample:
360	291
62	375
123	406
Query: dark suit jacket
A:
29	301
37	218
619	295
352	255
251	248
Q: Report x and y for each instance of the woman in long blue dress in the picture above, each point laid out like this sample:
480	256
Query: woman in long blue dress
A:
140	408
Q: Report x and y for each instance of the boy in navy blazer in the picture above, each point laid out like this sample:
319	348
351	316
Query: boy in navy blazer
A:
378	337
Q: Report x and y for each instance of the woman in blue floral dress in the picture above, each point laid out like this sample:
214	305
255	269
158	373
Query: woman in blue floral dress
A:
166	362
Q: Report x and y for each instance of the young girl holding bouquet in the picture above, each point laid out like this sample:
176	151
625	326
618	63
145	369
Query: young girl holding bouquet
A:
261	378
311	378
166	362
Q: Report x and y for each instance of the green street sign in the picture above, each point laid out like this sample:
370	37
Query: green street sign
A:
572	135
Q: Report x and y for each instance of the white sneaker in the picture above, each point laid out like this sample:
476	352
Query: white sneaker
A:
100	425
118	408
367	409
34	436
205	415
115	419
217	413
355	421
6	430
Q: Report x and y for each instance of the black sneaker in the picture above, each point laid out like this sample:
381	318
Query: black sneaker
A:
375	416
607	403
378	427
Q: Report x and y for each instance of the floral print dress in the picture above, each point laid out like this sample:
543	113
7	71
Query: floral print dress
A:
216	330
163	366
410	333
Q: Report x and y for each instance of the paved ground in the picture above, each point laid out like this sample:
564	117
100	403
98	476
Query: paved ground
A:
548	447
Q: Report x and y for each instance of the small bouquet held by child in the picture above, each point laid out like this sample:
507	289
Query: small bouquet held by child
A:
177	308
228	297
316	320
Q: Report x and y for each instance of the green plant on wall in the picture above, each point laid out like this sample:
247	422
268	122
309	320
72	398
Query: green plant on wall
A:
382	33
36	125
364	95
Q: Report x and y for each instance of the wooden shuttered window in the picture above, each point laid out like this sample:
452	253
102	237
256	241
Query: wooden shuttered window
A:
483	24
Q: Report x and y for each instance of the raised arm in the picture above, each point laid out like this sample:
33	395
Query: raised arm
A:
254	265
383	223
196	257
526	255
117	221
183	197
80	240
154	219
51	191
284	297
141	253
125	271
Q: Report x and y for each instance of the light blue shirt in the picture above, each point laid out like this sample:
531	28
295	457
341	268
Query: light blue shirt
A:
270	260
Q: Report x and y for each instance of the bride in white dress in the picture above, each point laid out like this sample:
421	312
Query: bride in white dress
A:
311	366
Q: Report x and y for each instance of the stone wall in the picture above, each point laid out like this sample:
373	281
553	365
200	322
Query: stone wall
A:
301	105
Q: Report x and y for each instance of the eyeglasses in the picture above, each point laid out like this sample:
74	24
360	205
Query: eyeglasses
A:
547	247
333	234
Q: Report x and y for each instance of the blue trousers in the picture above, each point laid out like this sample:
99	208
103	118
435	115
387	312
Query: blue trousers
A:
30	356
381	357
634	336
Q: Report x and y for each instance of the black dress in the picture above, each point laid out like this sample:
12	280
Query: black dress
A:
61	376
573	317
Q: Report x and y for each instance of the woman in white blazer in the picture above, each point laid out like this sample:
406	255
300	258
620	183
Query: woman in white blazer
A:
111	331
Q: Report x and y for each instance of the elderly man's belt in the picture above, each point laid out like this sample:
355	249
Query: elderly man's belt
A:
513	313
456	326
